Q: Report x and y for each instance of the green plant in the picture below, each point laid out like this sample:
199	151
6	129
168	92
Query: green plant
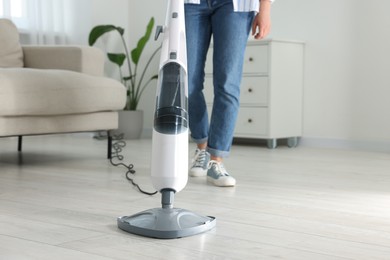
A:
135	85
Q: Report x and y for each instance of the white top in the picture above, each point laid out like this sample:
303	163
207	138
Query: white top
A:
239	5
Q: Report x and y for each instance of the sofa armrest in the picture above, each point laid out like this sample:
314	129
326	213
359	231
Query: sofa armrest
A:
84	59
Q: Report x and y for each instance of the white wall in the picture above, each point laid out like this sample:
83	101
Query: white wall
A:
347	63
88	13
371	84
347	87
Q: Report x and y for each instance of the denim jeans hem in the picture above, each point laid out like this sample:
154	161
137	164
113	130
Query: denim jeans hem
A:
217	153
200	141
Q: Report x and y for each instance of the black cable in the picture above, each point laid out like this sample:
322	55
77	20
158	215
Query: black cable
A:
117	147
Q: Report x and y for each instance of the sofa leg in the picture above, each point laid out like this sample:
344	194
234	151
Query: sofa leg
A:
109	145
20	140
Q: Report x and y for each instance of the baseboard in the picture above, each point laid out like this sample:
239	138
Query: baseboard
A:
370	145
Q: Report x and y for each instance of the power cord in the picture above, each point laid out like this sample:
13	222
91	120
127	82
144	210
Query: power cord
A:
117	147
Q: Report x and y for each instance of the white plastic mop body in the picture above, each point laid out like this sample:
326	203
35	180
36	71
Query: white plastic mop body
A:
169	169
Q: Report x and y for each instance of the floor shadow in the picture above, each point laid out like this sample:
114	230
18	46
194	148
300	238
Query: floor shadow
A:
36	158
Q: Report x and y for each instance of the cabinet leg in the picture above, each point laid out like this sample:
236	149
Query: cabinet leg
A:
292	142
272	143
109	145
20	142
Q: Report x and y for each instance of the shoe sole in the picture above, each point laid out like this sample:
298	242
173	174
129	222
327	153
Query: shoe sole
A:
231	183
197	173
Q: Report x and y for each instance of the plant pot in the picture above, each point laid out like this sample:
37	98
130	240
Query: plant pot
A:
130	124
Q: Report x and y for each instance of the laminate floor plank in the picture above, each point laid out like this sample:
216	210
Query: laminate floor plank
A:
60	197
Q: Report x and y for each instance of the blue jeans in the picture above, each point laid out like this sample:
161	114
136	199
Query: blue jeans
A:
230	32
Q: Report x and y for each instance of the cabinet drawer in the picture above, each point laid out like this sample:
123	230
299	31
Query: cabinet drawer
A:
256	60
252	121
254	90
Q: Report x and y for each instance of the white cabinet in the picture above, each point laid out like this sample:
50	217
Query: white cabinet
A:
271	91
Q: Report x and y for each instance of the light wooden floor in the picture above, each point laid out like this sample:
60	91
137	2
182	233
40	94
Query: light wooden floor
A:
61	197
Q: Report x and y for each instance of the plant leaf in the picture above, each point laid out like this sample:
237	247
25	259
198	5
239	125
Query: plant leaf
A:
117	58
136	52
99	30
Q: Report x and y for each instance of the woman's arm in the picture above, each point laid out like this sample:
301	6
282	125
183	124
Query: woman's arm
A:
262	23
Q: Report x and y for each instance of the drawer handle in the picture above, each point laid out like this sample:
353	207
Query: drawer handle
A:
251	59
250	90
250	120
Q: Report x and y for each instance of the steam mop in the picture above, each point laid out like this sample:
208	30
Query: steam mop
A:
169	168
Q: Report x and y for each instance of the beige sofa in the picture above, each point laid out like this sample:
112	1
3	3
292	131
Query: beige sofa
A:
54	89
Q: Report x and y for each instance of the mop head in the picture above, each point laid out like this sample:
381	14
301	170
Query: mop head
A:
166	223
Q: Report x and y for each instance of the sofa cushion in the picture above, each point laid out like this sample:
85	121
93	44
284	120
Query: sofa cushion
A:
29	92
11	54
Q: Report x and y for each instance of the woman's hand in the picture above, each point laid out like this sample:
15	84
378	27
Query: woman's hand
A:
262	23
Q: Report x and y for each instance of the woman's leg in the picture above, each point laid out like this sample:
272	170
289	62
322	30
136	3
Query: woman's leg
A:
230	35
198	30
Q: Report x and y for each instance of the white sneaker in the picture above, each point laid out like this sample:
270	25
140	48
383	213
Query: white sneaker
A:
218	175
199	163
